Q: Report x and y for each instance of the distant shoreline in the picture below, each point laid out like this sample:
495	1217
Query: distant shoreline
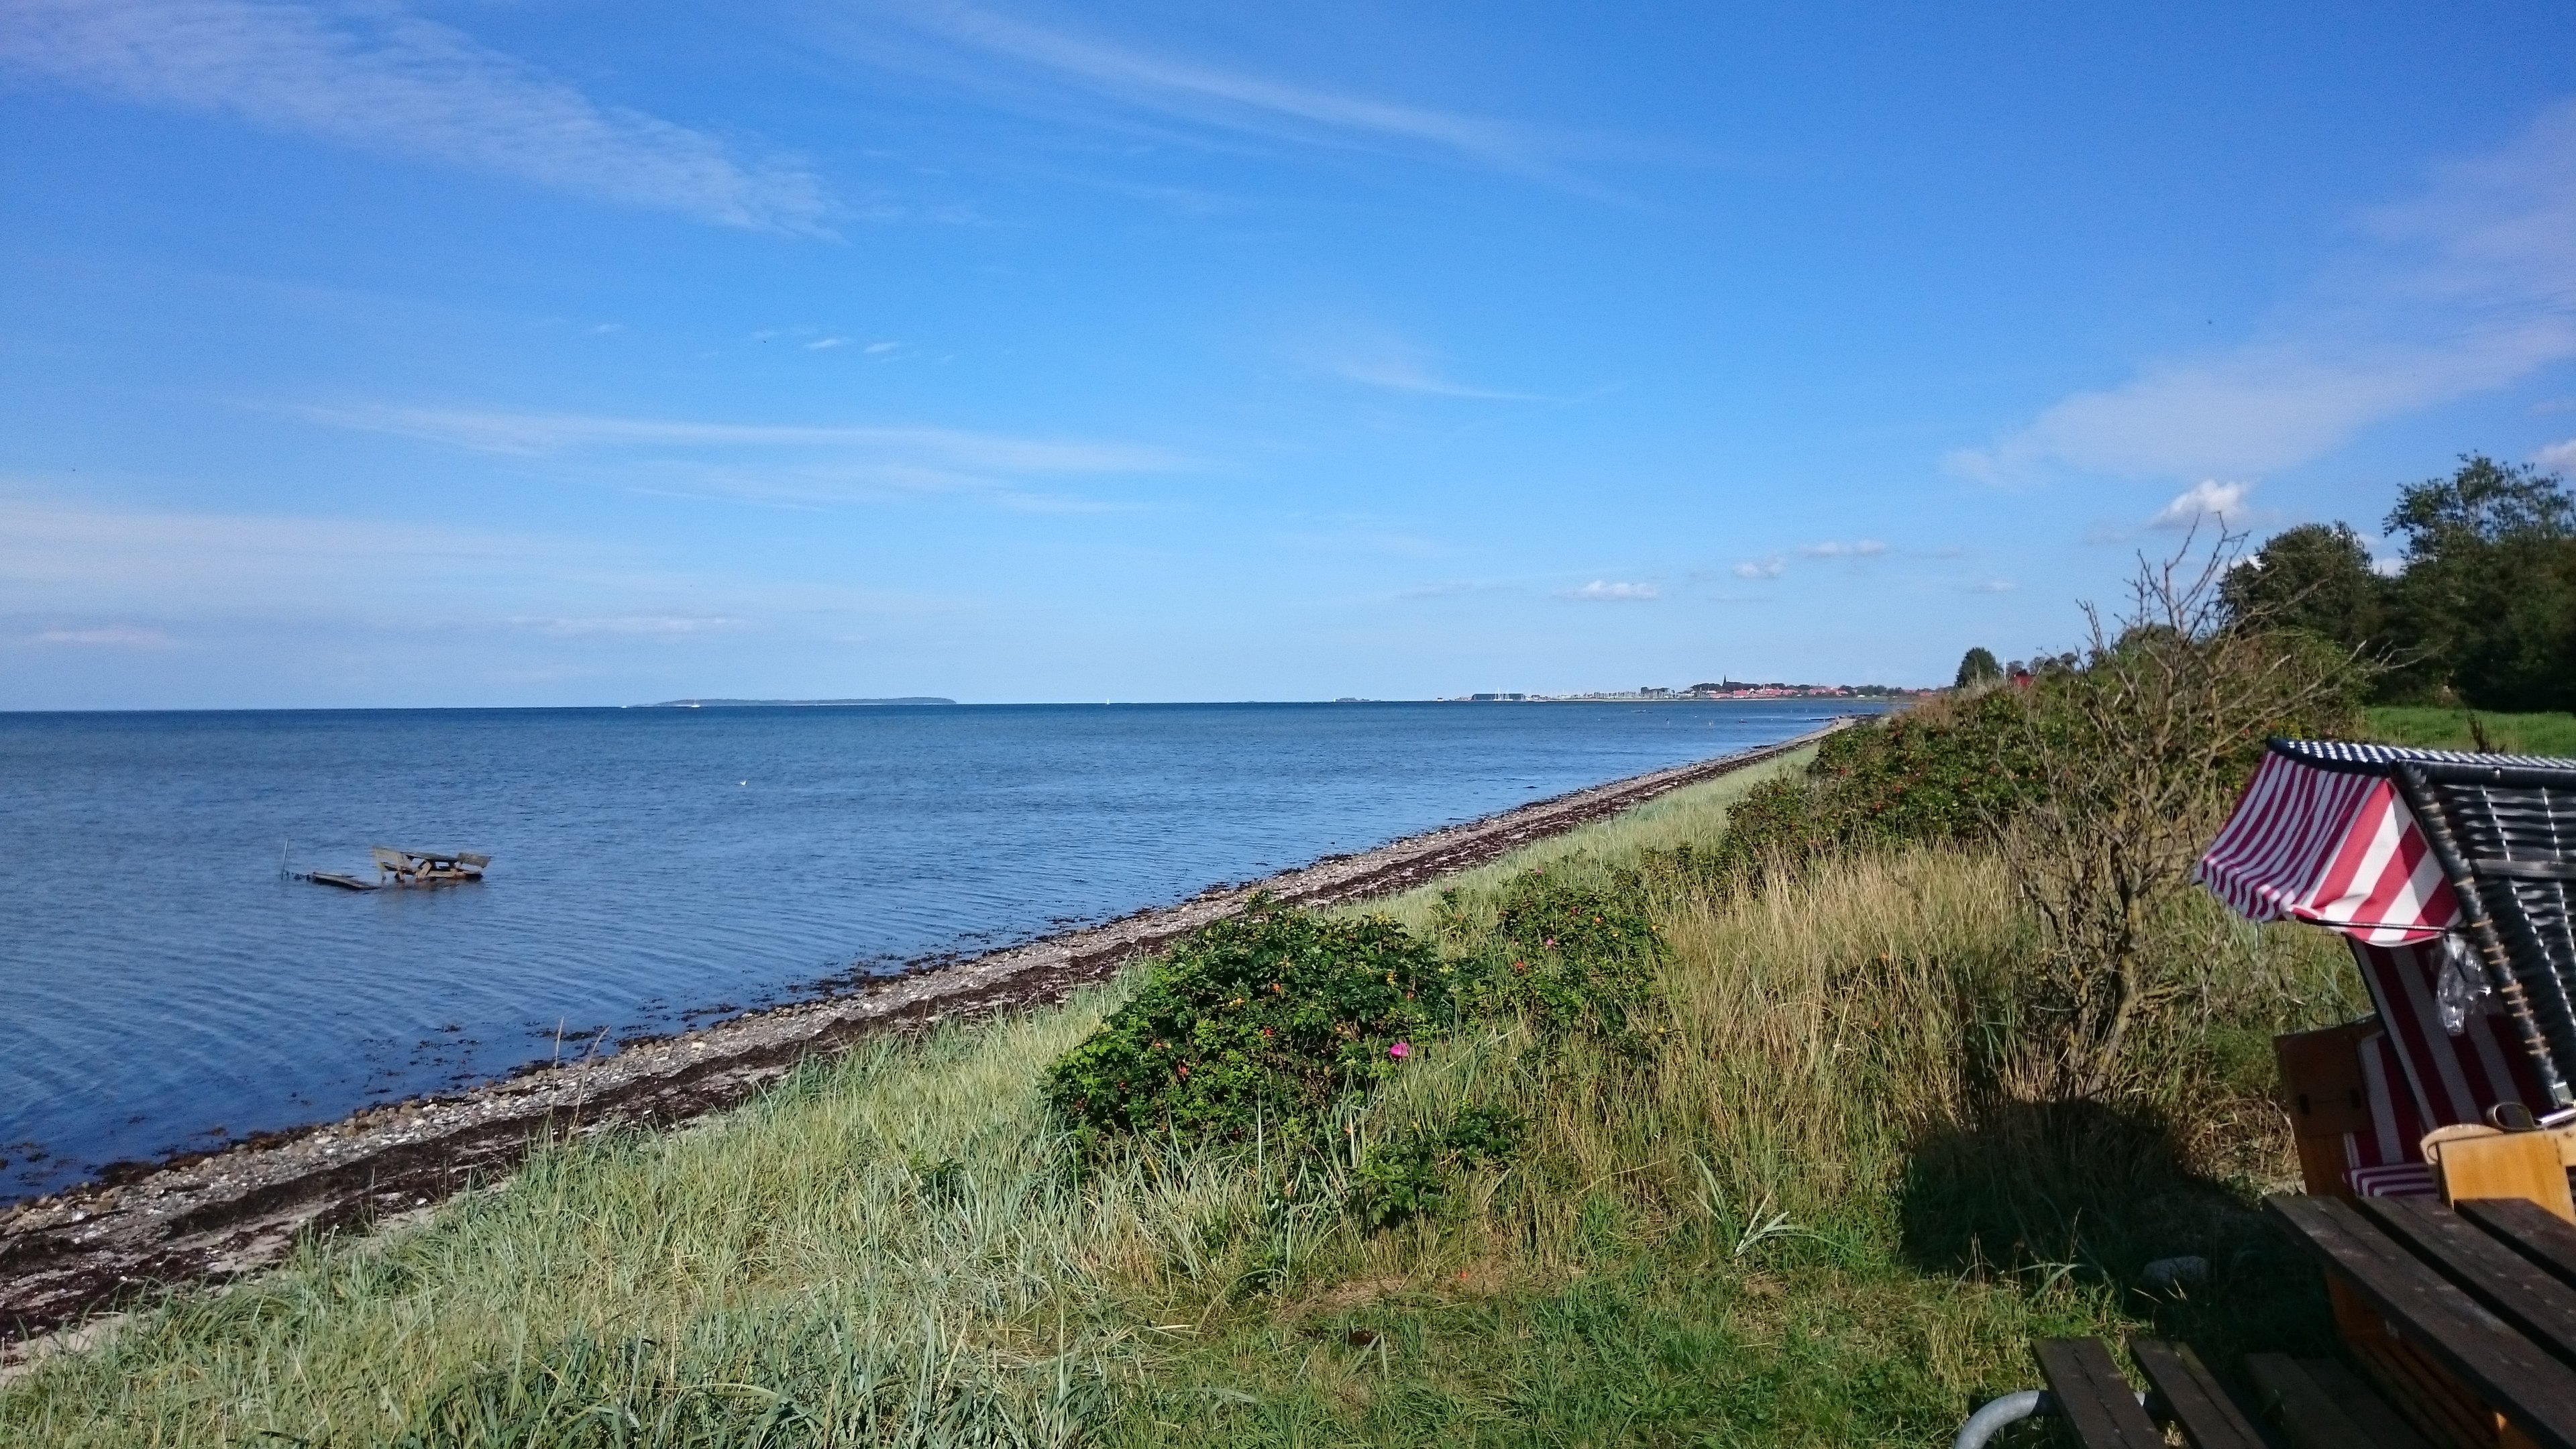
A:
899	701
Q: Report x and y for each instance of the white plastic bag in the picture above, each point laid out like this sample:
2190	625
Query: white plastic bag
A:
2462	989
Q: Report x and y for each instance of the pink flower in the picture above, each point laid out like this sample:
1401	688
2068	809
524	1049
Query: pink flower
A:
1400	1050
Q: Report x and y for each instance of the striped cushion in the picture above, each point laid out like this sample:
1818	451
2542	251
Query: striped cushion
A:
2404	1179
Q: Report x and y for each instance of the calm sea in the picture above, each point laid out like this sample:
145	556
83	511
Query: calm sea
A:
161	986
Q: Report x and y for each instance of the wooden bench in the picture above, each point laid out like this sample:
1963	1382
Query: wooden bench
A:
2319	1404
2105	1413
2467	1316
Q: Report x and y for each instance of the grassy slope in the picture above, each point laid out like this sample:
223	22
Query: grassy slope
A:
1793	1229
1786	1229
2448	729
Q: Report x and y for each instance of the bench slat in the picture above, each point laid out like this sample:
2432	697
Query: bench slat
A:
2193	1395
2529	1229
2097	1403
2520	1290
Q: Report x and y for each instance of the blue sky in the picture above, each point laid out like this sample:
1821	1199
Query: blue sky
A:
525	352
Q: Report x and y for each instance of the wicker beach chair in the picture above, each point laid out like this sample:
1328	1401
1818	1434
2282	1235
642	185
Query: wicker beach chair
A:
2448	875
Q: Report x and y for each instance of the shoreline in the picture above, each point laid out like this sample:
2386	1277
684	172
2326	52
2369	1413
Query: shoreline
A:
223	1213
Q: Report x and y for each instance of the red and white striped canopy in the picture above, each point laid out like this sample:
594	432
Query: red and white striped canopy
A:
2321	836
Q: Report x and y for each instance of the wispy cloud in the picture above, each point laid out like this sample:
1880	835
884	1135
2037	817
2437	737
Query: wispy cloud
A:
1455	588
826	344
1857	548
1609	591
379	79
111	636
1376	358
1990	586
1197	93
64	556
650	626
2557	455
1769	566
77	573
1061	504
930	452
2468	286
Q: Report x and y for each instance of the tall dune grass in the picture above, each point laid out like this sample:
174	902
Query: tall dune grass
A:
890	1248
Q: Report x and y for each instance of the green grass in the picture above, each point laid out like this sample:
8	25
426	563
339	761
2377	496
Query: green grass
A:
1799	1227
2448	729
1799	1222
1694	815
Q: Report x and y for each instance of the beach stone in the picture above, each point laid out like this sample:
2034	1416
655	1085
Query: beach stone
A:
2164	1275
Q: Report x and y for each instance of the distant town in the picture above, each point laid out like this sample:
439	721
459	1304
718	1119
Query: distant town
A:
1722	689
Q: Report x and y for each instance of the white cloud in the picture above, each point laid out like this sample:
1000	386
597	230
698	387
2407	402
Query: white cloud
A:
1172	89
376	78
2207	500
1607	591
2557	456
1858	548
826	344
1991	586
1769	566
928	451
880	349
111	636
2469	286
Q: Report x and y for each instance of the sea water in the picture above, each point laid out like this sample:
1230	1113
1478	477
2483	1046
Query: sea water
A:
163	986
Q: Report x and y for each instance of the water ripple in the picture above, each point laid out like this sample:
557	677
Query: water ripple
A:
164	986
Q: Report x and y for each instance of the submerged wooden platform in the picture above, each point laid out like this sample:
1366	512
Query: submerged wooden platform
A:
344	882
427	867
403	868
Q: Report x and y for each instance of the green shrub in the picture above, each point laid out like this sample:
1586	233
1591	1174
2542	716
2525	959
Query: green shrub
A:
1943	772
1962	769
1567	954
1260	1022
1411	1173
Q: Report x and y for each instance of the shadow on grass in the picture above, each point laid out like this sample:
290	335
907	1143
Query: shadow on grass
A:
2045	1192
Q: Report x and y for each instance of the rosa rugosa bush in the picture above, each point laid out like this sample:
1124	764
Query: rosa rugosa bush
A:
1267	1018
1570	955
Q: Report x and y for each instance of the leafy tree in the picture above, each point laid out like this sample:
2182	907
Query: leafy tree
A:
1979	667
2315	577
2486	606
2484	502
